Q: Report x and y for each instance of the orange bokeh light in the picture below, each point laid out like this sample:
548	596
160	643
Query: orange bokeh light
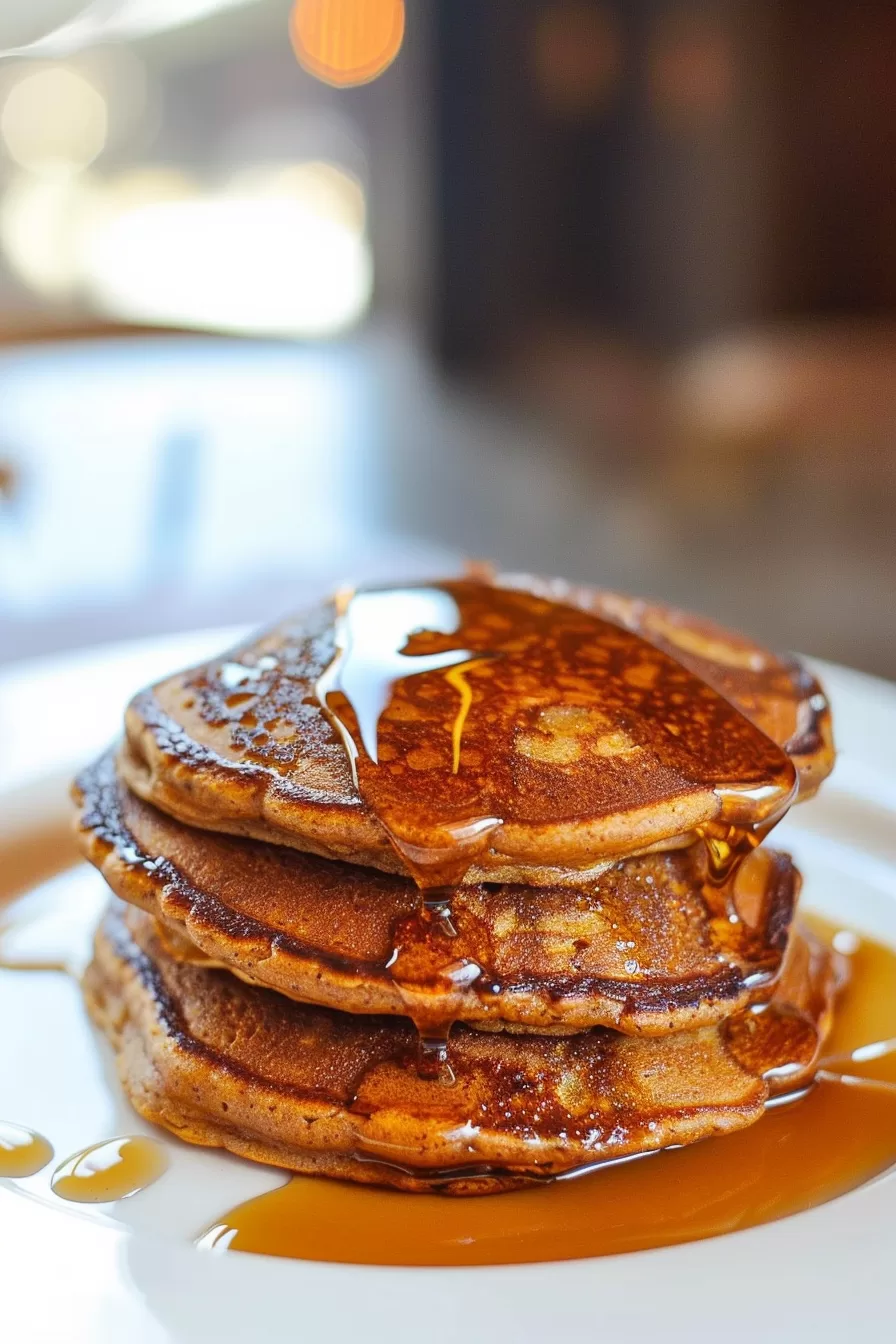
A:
347	42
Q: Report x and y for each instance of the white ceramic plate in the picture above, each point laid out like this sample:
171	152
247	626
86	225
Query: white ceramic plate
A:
128	1272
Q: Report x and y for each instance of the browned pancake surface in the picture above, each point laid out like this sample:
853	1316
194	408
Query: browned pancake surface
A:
646	947
223	1063
779	694
585	737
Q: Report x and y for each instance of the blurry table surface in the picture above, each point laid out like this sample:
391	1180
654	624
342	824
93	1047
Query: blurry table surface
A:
165	483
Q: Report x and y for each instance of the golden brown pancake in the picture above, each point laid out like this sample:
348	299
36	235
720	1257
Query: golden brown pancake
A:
649	946
779	694
484	732
222	1063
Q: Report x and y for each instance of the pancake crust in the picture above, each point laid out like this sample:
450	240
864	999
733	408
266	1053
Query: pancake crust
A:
646	947
242	745
221	1063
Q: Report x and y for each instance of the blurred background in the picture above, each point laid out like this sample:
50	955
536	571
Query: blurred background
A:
300	291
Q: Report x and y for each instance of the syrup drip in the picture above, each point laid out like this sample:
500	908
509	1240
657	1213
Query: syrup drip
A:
422	963
110	1171
727	845
802	1153
372	633
22	1151
456	703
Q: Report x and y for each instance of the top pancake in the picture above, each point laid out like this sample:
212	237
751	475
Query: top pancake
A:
523	738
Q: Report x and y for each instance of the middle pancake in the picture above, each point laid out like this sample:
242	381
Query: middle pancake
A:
650	946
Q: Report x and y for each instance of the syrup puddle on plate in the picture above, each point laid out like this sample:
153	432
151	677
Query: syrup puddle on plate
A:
112	1170
22	1151
840	1134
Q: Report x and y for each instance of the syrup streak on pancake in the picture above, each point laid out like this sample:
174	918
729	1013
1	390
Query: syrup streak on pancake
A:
547	658
372	631
456	677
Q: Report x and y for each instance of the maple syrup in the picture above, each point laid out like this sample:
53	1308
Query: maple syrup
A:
461	706
112	1170
797	1156
803	1152
555	679
22	1151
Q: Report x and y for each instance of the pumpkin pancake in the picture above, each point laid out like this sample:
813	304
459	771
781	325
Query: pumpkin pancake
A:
779	694
648	946
467	731
226	1064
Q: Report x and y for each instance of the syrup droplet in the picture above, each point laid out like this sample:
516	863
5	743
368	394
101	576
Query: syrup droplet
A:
22	1151
114	1169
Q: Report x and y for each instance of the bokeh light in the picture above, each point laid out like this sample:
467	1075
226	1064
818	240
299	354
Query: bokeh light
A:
347	42
280	252
53	121
577	57
42	224
691	70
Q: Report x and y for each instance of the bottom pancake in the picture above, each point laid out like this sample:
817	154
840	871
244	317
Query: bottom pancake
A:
226	1064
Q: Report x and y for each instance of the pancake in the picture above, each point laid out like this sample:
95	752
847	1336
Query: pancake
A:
464	731
225	1064
647	947
779	694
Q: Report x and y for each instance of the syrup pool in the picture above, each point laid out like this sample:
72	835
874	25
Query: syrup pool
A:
802	1153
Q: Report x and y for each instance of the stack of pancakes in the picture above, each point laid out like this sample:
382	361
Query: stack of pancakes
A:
461	885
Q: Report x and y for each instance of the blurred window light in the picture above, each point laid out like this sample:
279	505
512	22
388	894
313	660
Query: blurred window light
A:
274	264
279	249
53	121
42	222
577	57
347	42
324	189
